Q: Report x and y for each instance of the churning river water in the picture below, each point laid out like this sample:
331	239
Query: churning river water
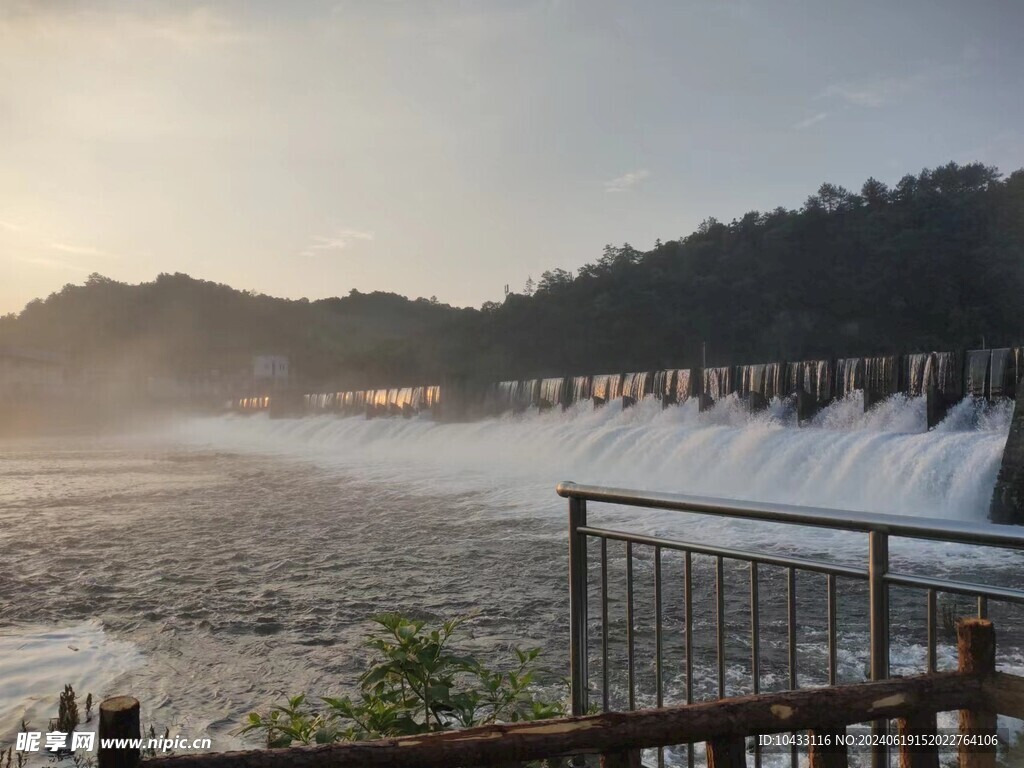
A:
211	566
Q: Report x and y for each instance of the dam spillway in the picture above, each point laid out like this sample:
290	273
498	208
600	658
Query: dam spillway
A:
942	377
945	377
938	380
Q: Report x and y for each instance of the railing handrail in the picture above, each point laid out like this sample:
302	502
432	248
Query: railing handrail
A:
936	529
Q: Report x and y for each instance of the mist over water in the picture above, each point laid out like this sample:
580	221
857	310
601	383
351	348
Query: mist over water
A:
883	460
213	566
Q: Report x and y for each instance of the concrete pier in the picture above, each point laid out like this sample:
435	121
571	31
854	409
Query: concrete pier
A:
1008	497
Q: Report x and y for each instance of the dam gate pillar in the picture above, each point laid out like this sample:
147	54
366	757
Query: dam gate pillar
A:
1008	497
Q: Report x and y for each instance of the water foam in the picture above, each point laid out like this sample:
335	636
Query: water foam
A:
36	662
883	460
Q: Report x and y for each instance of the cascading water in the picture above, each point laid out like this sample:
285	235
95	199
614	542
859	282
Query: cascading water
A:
501	395
664	383
940	370
915	368
403	397
816	379
552	392
764	379
718	382
976	374
882	460
873	382
683	385
673	383
432	396
849	376
1001	383
945	369
607	387
880	375
751	379
634	385
581	389
774	376
511	396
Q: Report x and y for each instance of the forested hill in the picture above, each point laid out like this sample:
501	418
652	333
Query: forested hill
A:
177	325
937	262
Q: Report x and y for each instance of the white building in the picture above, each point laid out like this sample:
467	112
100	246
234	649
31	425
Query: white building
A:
270	369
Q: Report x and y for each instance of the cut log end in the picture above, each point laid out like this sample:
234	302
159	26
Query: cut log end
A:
119	704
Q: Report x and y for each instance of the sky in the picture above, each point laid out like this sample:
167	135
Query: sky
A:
451	148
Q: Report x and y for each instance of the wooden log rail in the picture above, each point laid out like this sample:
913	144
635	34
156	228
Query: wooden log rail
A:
976	690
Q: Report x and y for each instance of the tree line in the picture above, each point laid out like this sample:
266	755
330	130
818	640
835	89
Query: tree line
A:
934	262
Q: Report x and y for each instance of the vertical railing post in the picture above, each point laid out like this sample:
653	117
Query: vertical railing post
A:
878	567
578	672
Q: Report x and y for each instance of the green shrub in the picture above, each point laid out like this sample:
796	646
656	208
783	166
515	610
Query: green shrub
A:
416	683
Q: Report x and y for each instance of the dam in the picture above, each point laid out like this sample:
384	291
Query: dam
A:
930	393
944	378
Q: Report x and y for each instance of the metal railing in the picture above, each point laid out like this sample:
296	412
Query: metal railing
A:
618	739
877	574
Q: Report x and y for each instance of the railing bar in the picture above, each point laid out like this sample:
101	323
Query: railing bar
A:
833	610
755	629
658	627
878	609
791	626
579	658
659	686
932	633
720	622
605	676
956	587
1008	536
629	625
730	554
791	642
755	647
982	607
688	634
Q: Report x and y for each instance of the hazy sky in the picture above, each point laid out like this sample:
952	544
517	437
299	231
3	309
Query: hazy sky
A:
449	148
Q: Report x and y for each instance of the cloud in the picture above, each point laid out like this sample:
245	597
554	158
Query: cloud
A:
339	241
180	27
76	250
626	181
876	93
808	122
35	239
40	261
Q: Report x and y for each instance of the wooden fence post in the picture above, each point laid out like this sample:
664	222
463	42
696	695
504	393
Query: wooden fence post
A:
828	756
119	719
924	756
976	645
729	752
629	758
